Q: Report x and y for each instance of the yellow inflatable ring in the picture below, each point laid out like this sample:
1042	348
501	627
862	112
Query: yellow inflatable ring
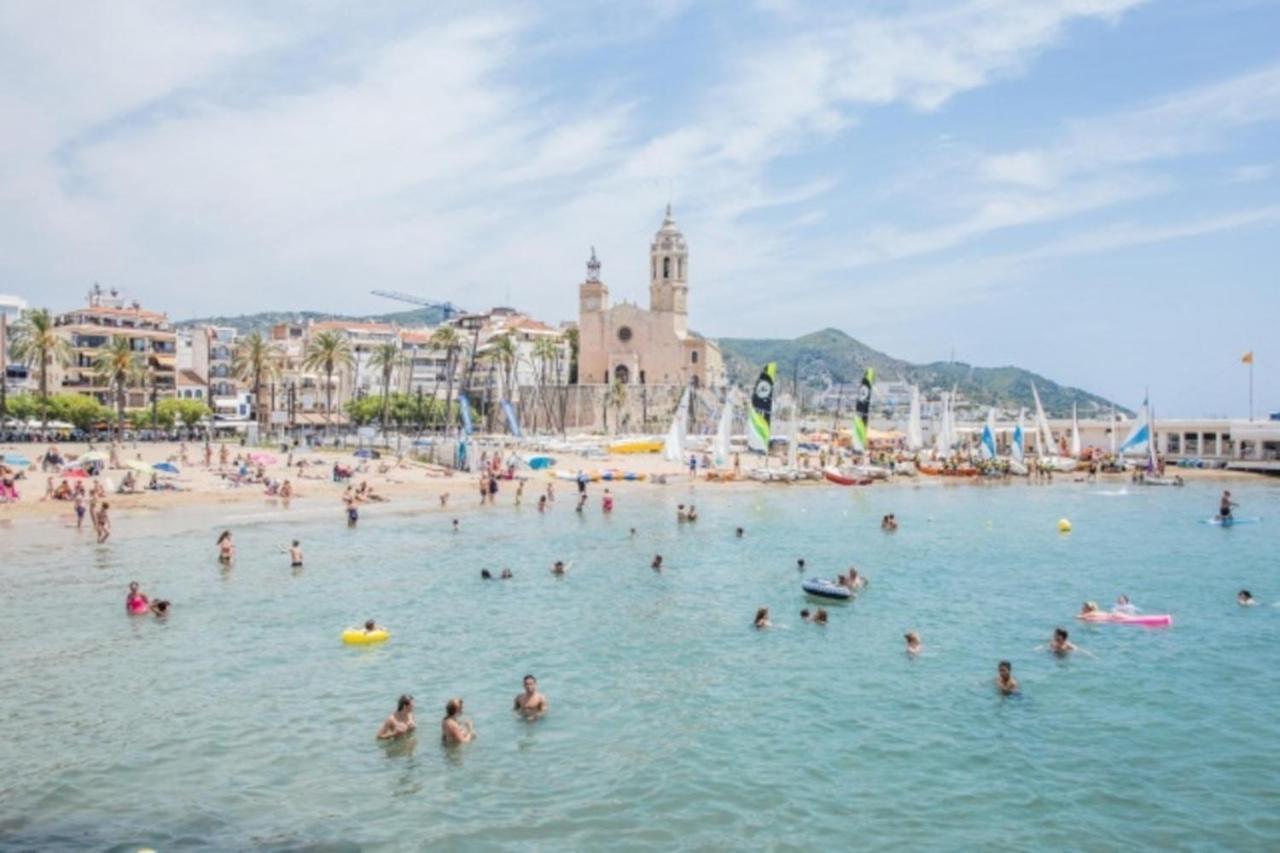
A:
361	637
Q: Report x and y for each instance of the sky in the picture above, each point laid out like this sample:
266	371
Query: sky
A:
1084	188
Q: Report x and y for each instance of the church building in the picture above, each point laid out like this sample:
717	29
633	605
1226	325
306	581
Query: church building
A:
635	346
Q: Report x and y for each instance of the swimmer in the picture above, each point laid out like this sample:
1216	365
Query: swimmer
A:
606	503
295	554
692	515
632	534
542	503
226	547
914	646
855	581
1089	611
102	523
135	602
1060	645
1125	606
806	616
559	568
1005	682
530	703
820	617
400	722
353	514
681	514
762	618
1245	598
455	525
656	565
370	626
160	608
738	532
506	575
485	575
453	729
800	565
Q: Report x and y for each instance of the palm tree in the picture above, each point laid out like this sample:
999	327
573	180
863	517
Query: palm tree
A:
546	351
328	351
118	365
446	338
502	352
256	359
386	357
37	344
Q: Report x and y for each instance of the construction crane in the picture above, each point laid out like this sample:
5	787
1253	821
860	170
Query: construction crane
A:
447	309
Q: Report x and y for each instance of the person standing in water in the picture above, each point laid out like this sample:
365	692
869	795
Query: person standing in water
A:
530	703
295	554
226	548
135	603
400	722
1060	645
606	503
453	729
914	646
762	619
1224	506
1005	682
103	523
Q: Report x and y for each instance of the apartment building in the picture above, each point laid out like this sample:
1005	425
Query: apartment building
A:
90	329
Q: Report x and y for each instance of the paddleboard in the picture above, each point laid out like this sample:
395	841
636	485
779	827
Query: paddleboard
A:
1233	521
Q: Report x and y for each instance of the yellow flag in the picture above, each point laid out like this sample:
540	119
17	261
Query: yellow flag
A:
1247	358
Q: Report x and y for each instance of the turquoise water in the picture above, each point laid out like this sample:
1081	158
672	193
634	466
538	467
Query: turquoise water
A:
243	721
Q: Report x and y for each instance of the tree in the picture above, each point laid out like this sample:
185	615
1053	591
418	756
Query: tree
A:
502	351
119	366
255	359
328	350
173	409
571	335
36	343
447	340
386	357
547	354
79	410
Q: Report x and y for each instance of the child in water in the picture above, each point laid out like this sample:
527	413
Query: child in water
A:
1005	682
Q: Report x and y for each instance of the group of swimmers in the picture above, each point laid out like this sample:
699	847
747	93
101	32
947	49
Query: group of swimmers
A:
454	728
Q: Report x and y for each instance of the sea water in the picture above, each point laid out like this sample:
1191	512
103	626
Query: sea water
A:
243	721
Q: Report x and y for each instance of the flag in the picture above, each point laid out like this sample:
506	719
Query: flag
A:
1247	358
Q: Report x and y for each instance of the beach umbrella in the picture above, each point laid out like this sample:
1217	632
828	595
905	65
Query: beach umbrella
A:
16	459
260	458
166	468
75	473
140	466
93	456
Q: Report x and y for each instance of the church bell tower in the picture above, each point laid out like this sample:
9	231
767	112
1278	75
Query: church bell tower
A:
668	274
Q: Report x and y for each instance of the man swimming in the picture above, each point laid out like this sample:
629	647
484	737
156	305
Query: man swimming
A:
762	619
1245	598
914	646
1060	645
559	568
656	565
530	703
1005	682
400	722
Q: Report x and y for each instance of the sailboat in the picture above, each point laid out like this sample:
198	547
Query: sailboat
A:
988	444
1044	438
915	437
720	444
1076	449
1143	433
1017	452
944	442
673	446
857	473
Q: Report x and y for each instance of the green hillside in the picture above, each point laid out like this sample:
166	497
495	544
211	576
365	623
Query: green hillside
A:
831	357
264	320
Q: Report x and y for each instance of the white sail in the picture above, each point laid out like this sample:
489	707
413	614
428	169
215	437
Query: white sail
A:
915	436
673	447
793	437
1044	438
720	445
1139	437
1019	438
940	428
1112	431
988	445
1076	449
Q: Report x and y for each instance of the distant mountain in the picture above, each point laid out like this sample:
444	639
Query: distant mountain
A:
264	320
830	357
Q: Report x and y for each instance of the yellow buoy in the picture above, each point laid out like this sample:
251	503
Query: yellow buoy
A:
1064	526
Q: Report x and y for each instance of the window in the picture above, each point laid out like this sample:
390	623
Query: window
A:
693	356
666	267
680	268
624	334
622	373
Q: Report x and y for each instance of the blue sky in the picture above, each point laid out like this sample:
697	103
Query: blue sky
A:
1086	188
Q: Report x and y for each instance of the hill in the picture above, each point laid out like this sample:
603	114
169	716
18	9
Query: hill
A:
830	357
264	320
